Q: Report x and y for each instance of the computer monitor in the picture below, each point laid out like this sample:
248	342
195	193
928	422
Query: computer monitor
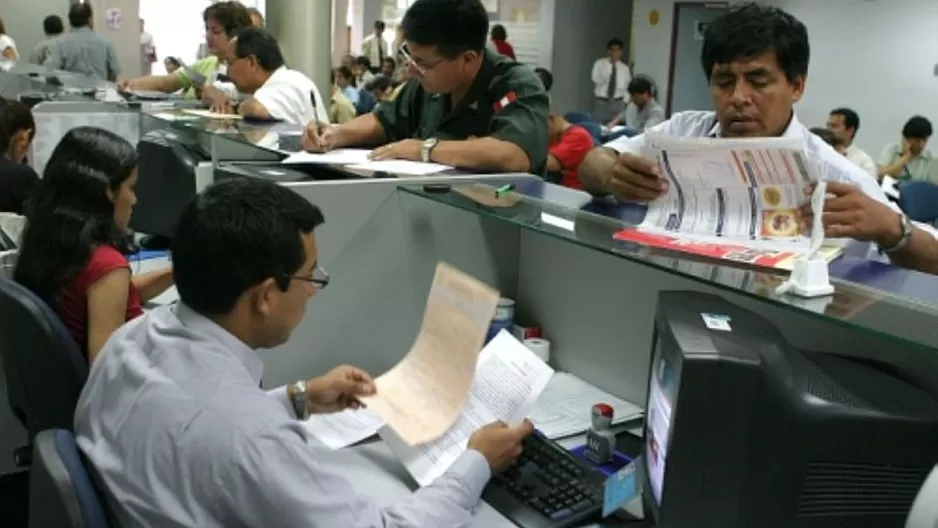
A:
165	180
744	430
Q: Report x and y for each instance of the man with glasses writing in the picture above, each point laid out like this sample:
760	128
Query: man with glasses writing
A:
465	106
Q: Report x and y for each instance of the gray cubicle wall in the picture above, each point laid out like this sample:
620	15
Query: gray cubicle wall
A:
597	309
381	257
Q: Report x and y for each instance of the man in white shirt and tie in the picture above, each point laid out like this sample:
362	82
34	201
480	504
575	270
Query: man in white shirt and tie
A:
844	123
256	67
375	47
611	79
756	60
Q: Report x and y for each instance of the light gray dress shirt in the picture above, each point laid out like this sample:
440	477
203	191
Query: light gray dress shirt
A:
83	51
175	422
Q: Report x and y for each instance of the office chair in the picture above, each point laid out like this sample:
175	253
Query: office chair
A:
919	200
61	490
45	370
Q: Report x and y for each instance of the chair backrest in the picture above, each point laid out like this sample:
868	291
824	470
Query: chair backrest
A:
61	491
919	200
45	370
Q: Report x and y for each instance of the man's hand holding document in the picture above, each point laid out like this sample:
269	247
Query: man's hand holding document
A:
730	199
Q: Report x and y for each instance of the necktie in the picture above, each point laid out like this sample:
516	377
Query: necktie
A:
380	53
611	89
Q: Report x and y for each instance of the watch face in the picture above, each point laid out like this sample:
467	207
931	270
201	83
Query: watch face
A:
429	143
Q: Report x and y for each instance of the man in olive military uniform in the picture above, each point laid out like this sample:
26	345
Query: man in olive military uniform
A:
465	106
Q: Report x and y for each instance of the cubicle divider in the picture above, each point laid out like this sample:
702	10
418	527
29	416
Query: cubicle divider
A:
595	307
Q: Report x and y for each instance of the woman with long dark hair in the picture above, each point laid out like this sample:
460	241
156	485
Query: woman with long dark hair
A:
76	238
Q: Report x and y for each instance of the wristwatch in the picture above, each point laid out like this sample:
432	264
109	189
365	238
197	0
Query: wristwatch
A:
427	148
905	224
298	399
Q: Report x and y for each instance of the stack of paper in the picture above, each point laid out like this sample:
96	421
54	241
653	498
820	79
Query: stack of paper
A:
508	380
360	159
564	409
345	428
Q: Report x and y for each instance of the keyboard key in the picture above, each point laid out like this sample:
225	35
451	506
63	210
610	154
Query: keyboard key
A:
560	515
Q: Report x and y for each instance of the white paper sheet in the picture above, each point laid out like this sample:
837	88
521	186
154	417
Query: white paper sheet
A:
508	380
333	157
410	168
563	409
212	115
338	430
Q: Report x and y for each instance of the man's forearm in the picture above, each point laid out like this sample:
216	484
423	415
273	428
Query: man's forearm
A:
482	154
253	109
596	169
363	131
892	170
921	254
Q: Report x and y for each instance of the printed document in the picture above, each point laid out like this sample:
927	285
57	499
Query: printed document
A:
337	430
208	114
564	408
742	195
508	380
403	167
421	397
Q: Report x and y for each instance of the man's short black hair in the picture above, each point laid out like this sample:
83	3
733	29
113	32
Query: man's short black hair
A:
363	61
640	85
230	15
453	26
851	118
917	127
261	44
235	235
79	15
547	78
749	30
379	24
52	25
615	42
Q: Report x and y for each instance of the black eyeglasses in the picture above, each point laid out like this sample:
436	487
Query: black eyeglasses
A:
319	277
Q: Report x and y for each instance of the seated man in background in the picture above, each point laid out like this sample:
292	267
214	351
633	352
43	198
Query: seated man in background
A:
834	140
569	143
173	417
17	180
460	90
256	67
642	112
844	123
221	19
756	60
909	160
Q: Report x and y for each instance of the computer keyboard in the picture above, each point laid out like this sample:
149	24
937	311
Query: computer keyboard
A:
547	487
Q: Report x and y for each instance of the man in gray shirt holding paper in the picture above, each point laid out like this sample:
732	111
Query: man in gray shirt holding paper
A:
172	416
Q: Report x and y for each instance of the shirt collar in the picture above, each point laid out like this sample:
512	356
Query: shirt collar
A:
200	324
793	130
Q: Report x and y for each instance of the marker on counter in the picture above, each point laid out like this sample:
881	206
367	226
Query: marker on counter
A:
504	189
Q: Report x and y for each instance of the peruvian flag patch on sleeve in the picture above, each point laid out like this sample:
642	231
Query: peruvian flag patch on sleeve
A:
509	98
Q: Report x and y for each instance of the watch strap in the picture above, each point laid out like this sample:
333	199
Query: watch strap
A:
298	400
905	224
426	149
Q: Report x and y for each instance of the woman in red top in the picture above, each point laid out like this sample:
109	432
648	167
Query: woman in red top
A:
72	254
500	41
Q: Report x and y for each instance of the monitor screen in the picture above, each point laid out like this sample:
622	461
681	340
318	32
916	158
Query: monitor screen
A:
661	404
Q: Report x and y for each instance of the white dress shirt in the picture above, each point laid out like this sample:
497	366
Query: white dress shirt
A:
285	95
602	71
861	159
830	164
174	420
376	49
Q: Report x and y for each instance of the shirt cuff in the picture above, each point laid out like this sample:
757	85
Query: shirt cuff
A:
280	394
472	468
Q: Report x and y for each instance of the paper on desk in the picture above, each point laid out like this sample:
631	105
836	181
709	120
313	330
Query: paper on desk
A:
564	407
422	396
337	430
333	157
411	168
211	115
508	380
